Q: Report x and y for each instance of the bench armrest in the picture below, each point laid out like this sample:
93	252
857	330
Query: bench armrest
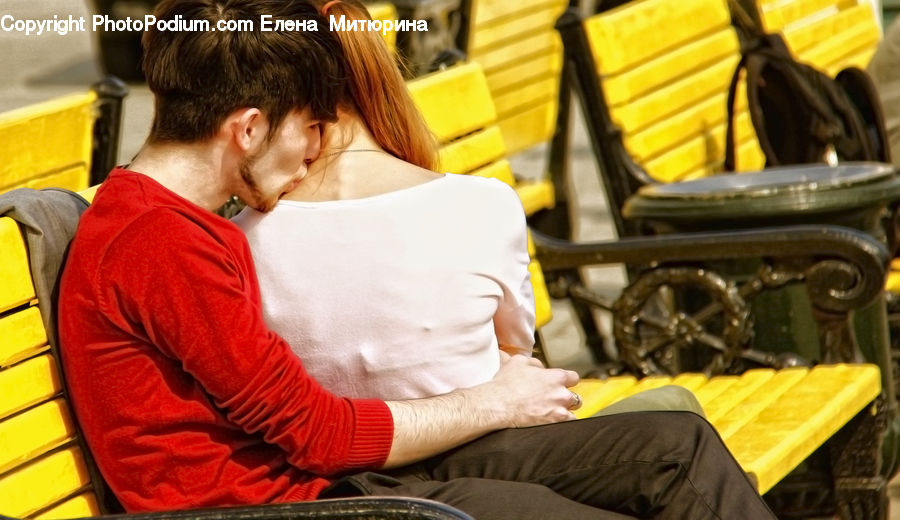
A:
362	508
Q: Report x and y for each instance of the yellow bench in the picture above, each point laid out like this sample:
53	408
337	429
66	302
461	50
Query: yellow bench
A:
829	34
771	420
521	55
69	142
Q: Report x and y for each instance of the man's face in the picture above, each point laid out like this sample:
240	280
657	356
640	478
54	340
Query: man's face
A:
281	163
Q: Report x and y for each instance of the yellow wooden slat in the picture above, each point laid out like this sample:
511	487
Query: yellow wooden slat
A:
631	34
704	149
678	128
676	97
497	170
790	429
15	275
28	435
43	482
543	310
749	158
776	16
22	334
45	137
803	37
28	383
384	11
544	90
860	37
535	67
747	384
518	51
505	30
454	102
746	411
531	127
692	382
536	195
622	88
489	12
648	383
89	193
82	506
859	59
597	394
472	151
74	178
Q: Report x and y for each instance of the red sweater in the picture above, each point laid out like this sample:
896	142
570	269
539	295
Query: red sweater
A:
184	396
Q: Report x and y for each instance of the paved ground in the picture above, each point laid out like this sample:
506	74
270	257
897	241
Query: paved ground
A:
37	68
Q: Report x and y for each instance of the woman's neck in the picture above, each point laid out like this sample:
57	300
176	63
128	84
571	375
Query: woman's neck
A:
352	165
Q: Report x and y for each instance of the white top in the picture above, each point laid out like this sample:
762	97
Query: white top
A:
400	295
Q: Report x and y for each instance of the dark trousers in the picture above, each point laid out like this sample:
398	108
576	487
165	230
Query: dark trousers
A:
644	465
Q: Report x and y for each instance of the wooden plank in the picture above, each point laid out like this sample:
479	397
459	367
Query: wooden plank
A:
385	11
15	275
691	58
488	12
497	170
543	310
42	483
531	68
704	149
73	178
473	151
531	127
597	394
775	16
89	193
454	102
81	506
789	430
28	383
46	137
544	90
747	409
630	34
802	37
675	97
23	336
536	195
28	435
858	38
506	30
859	59
497	58
648	383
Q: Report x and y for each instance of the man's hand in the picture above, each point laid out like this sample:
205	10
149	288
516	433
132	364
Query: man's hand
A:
530	394
522	393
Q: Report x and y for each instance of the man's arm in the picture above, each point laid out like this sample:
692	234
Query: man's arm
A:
523	393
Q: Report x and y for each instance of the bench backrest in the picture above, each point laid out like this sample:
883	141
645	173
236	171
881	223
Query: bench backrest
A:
42	469
665	68
829	34
457	106
521	55
70	142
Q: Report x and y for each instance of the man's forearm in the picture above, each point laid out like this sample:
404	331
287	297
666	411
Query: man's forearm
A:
523	393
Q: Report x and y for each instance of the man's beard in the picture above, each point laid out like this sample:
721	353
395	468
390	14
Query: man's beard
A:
254	194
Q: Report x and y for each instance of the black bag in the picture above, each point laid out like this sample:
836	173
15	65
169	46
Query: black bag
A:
801	115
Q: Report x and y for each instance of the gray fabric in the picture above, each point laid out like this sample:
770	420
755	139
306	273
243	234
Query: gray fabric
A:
669	398
48	219
884	70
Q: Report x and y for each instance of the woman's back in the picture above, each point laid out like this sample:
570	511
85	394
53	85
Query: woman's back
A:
399	295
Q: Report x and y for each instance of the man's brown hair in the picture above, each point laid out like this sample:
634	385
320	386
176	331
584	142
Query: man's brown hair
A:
199	77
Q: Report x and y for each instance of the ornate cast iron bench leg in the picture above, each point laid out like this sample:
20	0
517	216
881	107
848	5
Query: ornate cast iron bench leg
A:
860	489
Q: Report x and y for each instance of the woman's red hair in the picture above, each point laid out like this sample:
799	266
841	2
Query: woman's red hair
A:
378	92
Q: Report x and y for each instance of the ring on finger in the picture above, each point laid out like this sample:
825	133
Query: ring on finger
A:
576	402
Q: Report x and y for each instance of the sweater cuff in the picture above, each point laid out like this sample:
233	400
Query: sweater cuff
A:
373	434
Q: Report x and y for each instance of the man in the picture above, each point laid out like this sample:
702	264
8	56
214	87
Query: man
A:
187	400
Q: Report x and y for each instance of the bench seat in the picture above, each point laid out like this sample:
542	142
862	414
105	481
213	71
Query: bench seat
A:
771	420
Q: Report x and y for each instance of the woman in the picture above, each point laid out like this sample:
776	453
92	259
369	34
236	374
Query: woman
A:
381	273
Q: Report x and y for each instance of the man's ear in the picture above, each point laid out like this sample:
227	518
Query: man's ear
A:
246	128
